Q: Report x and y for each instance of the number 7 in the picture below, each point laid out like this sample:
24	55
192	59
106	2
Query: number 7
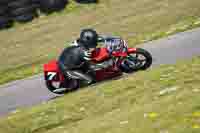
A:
51	75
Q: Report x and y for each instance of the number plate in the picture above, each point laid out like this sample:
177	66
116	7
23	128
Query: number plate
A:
51	76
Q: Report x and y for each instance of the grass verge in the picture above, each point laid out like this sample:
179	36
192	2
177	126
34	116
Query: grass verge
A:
29	46
162	100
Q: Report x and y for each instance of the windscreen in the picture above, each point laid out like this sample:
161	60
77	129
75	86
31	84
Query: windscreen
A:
115	44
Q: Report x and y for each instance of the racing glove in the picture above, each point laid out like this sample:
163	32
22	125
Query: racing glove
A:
87	55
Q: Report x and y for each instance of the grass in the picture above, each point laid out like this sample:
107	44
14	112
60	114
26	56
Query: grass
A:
29	46
161	100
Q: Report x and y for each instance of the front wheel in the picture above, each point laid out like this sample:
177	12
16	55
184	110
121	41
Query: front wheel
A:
139	60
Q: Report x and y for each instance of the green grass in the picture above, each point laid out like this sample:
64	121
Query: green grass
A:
160	100
31	45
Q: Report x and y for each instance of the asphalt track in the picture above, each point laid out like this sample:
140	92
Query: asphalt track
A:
31	91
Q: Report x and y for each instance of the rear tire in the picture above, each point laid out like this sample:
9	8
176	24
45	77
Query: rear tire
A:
63	88
53	89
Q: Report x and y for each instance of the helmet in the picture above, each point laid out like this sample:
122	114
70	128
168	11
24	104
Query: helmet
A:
88	38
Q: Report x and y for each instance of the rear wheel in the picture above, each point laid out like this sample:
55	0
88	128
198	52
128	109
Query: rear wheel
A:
140	60
62	88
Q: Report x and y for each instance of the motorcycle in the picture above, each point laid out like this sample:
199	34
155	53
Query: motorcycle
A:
125	61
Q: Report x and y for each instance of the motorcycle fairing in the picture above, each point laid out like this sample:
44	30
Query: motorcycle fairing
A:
107	73
100	54
52	72
132	50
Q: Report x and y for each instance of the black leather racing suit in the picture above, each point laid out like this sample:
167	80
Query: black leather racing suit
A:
73	65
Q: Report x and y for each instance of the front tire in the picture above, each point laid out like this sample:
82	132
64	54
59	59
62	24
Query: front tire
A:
139	60
148	60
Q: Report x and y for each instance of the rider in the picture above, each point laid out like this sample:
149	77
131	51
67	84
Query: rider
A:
74	61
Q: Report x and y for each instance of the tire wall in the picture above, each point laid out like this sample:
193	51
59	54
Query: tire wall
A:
23	11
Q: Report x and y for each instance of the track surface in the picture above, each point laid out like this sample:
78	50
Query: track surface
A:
27	92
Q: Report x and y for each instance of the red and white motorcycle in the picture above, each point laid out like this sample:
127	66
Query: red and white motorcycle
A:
126	60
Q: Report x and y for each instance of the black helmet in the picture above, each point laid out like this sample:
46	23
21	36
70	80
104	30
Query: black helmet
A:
88	38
